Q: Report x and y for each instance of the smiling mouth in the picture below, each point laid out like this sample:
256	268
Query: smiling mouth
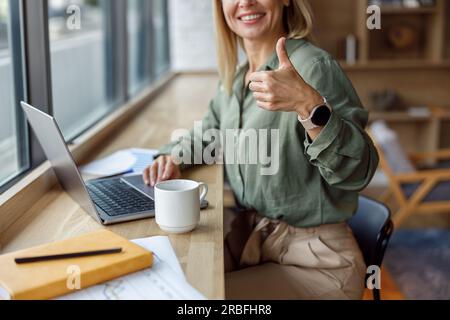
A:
252	17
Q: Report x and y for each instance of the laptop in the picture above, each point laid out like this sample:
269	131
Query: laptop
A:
109	200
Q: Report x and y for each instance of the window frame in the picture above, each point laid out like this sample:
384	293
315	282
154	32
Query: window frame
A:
154	74
37	75
17	47
146	77
36	68
18	61
117	41
37	60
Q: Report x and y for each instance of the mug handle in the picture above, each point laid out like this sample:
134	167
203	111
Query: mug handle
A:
204	192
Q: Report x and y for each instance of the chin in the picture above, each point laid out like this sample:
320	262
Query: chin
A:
255	34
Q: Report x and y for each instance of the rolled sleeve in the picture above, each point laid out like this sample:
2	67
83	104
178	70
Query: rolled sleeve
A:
325	139
343	152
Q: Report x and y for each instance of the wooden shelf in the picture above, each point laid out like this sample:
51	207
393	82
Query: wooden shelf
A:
430	25
405	10
407	116
424	132
397	116
419	74
395	64
441	113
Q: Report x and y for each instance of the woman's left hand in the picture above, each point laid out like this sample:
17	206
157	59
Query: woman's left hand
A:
284	89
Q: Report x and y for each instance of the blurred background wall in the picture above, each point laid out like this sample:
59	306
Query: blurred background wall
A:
192	35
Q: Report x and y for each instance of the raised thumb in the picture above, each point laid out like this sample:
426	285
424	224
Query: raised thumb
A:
283	57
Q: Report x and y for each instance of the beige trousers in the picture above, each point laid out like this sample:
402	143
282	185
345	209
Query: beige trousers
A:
268	259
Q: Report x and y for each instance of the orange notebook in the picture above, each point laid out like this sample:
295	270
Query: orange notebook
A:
51	279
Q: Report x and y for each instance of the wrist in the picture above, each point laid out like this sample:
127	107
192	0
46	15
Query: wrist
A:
318	118
304	110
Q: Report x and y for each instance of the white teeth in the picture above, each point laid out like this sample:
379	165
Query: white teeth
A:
251	17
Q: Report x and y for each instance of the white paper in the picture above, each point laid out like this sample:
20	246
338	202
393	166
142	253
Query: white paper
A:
117	163
133	161
161	247
163	281
143	158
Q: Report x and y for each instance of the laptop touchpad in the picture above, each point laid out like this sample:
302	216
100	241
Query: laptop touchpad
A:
137	182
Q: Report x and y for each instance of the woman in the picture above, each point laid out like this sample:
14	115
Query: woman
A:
292	240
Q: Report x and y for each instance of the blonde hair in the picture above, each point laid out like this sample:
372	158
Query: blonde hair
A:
298	22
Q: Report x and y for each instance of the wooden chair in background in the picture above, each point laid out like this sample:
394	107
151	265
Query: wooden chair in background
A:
421	191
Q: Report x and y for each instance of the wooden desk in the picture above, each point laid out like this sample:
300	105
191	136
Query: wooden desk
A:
56	216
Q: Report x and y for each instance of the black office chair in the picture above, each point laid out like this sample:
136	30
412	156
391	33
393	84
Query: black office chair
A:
372	227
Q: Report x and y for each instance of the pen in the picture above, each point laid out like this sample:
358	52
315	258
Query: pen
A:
67	256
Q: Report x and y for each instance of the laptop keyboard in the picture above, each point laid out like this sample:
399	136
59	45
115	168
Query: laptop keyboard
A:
118	198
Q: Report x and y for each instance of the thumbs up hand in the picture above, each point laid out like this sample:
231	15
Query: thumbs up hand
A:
284	89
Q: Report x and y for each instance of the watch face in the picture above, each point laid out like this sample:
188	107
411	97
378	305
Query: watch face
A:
321	116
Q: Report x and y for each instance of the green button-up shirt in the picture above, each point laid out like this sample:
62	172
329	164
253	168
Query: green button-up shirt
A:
316	182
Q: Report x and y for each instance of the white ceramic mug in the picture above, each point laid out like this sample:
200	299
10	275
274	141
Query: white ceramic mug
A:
177	204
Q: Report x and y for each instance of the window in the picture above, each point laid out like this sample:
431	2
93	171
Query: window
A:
72	59
161	40
148	42
80	63
13	141
139	37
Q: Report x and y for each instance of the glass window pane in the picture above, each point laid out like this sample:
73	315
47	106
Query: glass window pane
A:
161	37
13	142
138	44
81	63
148	42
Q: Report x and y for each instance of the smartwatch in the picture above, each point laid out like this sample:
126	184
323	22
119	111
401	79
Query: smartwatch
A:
319	117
